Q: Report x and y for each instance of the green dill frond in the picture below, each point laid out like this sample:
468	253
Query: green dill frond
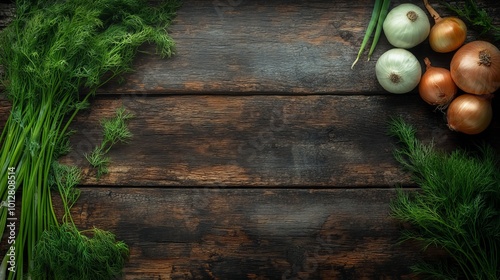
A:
98	161
457	208
65	176
62	144
65	253
115	130
65	179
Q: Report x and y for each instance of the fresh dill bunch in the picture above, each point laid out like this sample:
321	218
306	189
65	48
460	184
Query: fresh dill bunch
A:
64	253
115	130
55	55
457	208
476	16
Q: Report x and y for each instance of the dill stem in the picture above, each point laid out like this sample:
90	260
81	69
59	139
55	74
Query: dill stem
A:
457	248
37	213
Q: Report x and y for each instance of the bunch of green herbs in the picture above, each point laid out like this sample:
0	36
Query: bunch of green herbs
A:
55	55
457	208
64	253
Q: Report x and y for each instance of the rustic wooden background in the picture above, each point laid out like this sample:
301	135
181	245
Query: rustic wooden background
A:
257	152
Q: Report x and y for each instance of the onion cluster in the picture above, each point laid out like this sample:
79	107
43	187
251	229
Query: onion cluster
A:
465	90
475	69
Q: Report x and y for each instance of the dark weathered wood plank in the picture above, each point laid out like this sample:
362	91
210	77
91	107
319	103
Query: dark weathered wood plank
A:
6	13
256	46
252	46
206	233
335	141
4	111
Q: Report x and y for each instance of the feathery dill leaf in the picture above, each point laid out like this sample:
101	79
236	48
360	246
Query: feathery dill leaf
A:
65	179
115	130
457	208
64	253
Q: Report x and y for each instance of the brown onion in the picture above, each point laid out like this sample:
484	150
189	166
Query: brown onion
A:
436	86
475	68
469	114
447	34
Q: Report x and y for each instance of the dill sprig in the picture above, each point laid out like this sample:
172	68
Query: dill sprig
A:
64	253
457	208
115	130
478	17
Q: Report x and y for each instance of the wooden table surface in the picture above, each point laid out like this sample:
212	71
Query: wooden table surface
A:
257	152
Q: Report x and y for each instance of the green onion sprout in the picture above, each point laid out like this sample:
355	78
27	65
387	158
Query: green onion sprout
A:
379	12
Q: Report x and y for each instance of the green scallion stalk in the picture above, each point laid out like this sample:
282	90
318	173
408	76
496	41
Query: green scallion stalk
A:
379	13
380	23
50	51
369	29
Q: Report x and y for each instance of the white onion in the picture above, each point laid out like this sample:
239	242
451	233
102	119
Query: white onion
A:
398	71
406	26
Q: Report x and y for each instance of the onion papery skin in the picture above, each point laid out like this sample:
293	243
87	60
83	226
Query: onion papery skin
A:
447	35
470	74
403	32
400	64
436	86
470	114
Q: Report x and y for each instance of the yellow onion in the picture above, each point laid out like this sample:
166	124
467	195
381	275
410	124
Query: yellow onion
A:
469	114
475	68
447	34
436	86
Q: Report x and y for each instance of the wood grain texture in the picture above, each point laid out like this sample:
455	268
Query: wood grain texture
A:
328	141
215	233
252	46
287	47
6	13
